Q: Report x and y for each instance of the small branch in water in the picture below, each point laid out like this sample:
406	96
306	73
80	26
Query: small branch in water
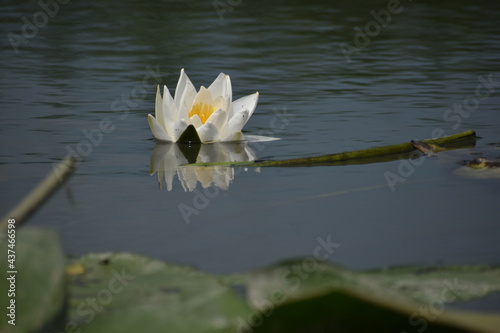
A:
40	193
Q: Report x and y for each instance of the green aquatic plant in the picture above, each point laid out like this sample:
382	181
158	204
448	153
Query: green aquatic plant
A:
123	292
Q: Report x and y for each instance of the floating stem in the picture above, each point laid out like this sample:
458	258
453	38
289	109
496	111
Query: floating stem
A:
364	156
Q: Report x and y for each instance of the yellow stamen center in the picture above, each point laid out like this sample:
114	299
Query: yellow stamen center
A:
203	110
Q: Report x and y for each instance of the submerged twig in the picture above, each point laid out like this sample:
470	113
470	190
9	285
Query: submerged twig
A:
40	193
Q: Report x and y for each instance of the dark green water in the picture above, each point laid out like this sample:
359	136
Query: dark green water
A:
324	88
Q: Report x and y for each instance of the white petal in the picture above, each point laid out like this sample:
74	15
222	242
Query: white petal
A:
179	127
208	133
184	95
219	103
159	108
234	136
228	96
237	122
221	87
203	96
259	138
169	109
218	87
195	120
181	86
169	112
218	118
248	102
157	130
186	101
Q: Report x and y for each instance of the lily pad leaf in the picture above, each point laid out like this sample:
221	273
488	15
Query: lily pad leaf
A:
312	296
449	284
190	135
37	283
123	292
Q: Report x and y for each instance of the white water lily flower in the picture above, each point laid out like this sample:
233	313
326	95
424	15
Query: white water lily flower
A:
208	115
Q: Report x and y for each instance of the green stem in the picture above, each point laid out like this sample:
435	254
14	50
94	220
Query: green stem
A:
371	155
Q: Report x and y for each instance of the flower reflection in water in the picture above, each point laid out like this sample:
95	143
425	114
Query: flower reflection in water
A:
167	159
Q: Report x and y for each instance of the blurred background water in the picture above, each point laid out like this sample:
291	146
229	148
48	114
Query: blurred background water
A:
88	62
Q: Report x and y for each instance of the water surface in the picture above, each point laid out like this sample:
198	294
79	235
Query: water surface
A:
101	61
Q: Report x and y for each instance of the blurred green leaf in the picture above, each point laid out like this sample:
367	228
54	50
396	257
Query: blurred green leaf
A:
121	292
311	296
446	283
40	288
131	293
